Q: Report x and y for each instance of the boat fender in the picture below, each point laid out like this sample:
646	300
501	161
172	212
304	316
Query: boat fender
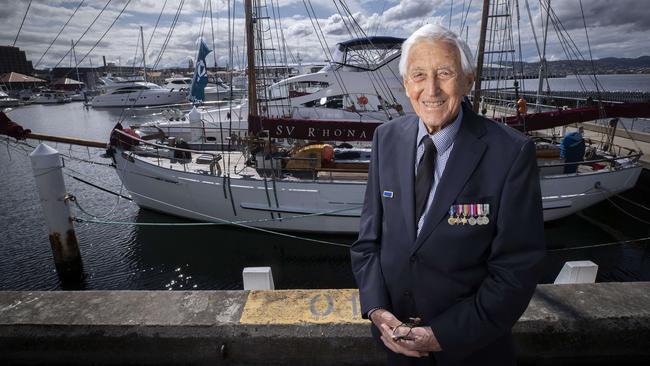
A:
327	155
133	133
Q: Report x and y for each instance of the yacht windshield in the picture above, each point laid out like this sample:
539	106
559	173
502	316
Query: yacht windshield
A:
367	53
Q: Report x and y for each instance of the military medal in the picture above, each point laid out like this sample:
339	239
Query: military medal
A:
452	212
479	212
472	212
464	219
486	211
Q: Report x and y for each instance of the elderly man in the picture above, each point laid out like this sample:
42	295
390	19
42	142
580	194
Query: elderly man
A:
451	235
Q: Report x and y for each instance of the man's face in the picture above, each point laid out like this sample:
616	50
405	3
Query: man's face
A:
435	82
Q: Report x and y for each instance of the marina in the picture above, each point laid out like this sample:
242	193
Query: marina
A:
125	255
236	186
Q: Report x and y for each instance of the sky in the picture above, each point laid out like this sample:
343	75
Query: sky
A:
310	28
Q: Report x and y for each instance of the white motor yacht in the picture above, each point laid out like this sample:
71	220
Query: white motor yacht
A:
7	101
361	84
216	89
49	97
128	93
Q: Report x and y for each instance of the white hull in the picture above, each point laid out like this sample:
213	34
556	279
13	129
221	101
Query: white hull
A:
205	197
140	99
563	195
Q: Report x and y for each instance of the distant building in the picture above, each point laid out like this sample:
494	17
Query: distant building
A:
12	59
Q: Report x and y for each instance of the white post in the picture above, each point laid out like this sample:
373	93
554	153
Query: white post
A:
46	165
196	125
258	278
577	272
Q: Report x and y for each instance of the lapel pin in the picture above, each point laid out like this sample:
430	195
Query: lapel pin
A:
388	194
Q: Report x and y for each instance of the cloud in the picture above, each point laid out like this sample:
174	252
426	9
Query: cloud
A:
618	30
410	9
633	14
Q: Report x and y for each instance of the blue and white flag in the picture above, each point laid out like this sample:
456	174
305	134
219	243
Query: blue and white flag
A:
200	79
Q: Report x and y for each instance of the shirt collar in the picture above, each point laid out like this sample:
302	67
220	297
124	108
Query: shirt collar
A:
445	137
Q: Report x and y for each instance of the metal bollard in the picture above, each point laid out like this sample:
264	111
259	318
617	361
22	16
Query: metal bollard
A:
46	165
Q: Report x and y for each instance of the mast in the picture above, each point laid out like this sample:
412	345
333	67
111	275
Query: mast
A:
144	63
250	54
542	63
76	66
480	54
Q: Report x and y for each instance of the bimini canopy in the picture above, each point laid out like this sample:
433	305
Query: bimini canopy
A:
368	53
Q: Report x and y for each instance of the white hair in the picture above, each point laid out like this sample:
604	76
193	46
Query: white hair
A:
436	32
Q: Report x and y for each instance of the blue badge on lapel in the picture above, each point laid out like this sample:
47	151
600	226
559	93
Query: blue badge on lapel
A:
388	194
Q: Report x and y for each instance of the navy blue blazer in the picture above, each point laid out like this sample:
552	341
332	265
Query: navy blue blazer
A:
469	283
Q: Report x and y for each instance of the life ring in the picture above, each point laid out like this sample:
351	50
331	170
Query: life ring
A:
363	100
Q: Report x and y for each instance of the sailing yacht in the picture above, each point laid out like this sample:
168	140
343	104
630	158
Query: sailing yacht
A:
361	84
306	187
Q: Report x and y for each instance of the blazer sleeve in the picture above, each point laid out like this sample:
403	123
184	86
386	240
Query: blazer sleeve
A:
365	252
513	265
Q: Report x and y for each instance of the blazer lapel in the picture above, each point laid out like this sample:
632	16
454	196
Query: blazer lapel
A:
406	168
465	156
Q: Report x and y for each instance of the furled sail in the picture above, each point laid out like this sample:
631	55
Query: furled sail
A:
200	78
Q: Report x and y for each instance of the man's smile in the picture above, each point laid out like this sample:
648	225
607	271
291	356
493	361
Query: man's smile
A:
433	103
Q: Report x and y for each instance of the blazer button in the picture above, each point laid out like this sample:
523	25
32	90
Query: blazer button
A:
413	259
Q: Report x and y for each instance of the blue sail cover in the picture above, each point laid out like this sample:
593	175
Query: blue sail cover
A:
200	79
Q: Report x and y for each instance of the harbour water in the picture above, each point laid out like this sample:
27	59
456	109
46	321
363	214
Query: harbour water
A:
134	255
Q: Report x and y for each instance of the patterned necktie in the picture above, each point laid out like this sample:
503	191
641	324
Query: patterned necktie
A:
424	177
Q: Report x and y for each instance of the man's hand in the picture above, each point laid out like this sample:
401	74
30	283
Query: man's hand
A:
383	316
412	342
422	339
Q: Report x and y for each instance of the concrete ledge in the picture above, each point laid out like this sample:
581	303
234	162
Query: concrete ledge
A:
564	324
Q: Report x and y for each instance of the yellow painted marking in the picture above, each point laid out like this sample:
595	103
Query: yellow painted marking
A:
302	306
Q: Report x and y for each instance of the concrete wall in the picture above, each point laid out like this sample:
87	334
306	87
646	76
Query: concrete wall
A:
564	324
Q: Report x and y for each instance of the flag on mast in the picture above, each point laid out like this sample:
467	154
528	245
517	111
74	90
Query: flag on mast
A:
200	78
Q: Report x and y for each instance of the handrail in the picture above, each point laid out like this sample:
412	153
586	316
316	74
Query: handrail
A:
634	157
158	146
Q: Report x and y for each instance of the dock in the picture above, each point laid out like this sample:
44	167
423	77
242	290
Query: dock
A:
564	325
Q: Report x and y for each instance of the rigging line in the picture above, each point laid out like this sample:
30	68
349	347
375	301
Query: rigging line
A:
231	35
464	21
155	26
317	28
84	33
521	58
119	195
532	27
571	45
57	36
451	12
379	79
21	23
627	213
169	34
629	200
214	48
137	47
277	19
204	15
102	37
383	7
599	245
591	58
